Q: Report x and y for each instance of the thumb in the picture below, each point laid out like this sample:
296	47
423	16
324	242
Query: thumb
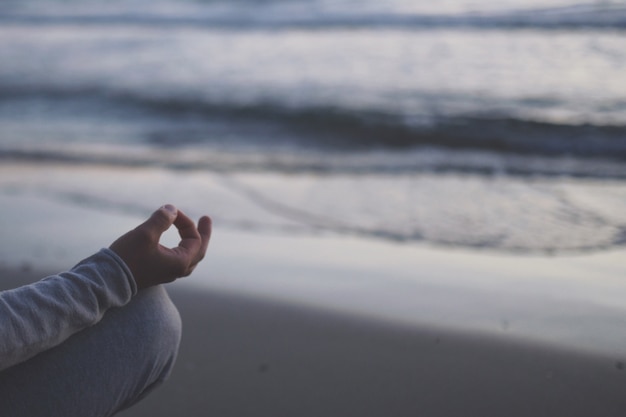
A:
161	220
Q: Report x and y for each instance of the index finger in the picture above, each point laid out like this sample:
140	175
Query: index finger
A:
190	237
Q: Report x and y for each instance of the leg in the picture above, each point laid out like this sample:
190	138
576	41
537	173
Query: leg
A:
102	369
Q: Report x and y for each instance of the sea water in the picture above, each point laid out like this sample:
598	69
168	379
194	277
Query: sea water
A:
479	124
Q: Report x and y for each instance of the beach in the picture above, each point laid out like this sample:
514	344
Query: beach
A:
276	325
244	355
60	214
241	356
419	208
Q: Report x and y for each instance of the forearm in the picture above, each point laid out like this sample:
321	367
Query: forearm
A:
39	316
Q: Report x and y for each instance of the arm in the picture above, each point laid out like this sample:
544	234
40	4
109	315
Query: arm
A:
39	316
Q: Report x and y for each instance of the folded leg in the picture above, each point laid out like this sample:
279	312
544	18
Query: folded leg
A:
101	370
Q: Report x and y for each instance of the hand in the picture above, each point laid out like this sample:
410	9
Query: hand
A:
152	263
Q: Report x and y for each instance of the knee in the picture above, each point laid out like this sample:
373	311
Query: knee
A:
103	369
154	338
157	331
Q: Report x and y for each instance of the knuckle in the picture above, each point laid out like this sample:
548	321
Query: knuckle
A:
181	269
143	235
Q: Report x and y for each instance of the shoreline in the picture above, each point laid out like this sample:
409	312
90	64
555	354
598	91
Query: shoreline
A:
573	302
469	213
281	324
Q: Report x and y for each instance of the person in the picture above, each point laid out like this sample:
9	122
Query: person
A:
96	339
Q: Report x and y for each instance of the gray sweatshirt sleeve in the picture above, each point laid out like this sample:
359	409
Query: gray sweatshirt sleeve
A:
39	316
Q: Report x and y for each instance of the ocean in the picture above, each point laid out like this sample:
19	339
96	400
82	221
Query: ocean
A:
495	126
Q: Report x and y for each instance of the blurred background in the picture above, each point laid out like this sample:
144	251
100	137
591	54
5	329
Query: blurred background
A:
491	125
451	165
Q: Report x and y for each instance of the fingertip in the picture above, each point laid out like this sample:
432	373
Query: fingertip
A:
183	221
162	218
205	225
169	209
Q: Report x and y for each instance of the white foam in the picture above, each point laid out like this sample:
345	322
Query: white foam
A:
500	213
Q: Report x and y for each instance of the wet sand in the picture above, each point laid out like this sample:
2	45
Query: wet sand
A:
244	356
280	325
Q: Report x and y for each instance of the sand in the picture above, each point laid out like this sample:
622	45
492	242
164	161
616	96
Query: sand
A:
245	356
326	325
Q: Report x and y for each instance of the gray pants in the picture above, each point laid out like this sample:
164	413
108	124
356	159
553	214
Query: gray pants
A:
101	370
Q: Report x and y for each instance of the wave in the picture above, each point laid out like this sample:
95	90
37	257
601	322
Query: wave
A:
610	16
540	215
353	164
187	121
